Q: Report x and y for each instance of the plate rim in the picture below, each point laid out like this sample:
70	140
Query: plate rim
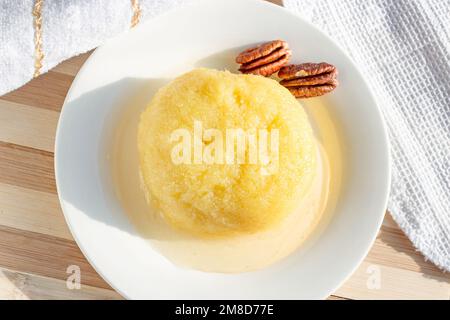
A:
272	6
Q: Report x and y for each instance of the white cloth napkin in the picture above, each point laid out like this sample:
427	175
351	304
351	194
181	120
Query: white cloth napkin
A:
68	28
402	46
403	49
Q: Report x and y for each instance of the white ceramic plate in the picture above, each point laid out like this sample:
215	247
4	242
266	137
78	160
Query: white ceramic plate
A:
210	33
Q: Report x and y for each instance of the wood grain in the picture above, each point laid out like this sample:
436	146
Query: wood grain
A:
36	246
24	286
393	248
32	210
27	125
37	93
44	255
394	283
71	66
27	167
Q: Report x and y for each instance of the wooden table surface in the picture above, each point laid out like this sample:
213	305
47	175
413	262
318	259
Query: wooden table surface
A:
36	247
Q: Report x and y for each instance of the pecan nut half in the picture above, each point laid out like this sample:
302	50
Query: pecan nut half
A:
265	59
309	80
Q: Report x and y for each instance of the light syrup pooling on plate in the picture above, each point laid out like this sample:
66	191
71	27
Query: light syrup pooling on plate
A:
239	253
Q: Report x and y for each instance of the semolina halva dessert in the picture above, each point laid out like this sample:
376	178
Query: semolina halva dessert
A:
223	154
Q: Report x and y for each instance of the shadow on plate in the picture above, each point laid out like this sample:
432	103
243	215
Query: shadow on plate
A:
119	106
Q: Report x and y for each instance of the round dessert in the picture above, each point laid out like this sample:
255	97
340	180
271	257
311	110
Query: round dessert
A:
223	154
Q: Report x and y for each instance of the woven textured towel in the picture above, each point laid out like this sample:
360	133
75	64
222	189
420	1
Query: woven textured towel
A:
403	49
67	28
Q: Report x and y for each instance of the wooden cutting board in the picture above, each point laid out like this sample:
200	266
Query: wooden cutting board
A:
37	249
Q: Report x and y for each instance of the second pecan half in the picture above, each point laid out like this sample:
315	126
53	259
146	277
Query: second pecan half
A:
309	80
265	59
